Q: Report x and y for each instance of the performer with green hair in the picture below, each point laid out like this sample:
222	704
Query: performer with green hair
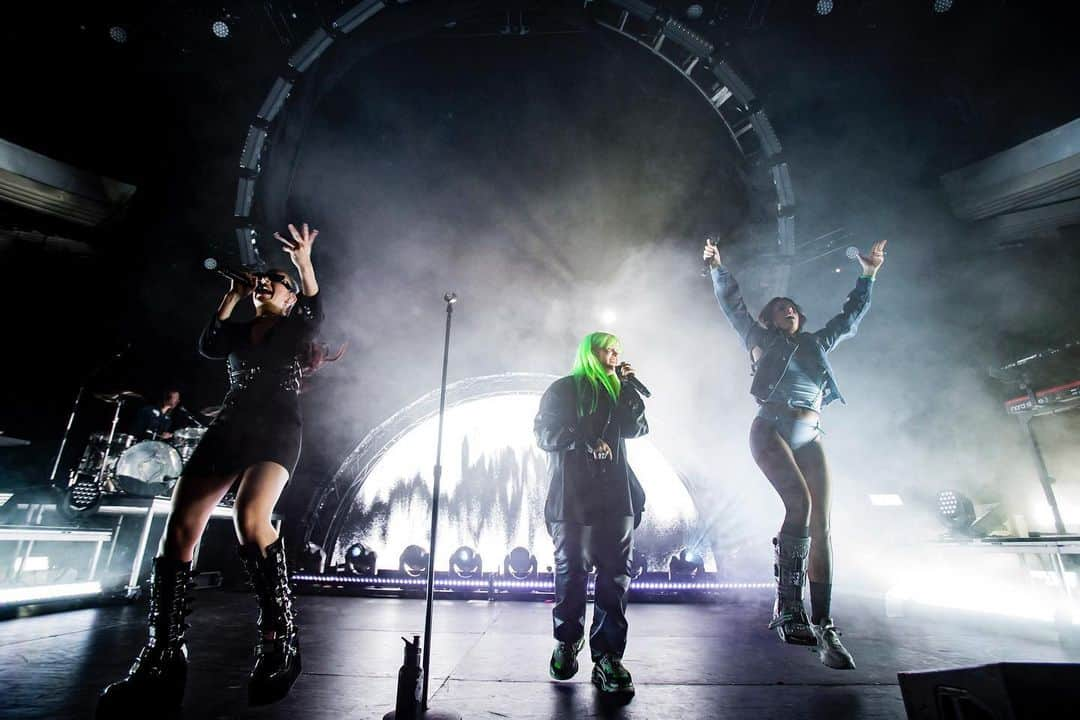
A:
593	504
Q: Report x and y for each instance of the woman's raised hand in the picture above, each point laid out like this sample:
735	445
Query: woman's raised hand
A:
711	254
299	246
873	261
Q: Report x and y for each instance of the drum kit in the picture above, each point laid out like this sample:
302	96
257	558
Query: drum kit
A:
115	462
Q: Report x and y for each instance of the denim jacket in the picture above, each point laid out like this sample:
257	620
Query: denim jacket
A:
777	347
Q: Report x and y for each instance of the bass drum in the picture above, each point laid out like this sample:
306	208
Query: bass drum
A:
148	469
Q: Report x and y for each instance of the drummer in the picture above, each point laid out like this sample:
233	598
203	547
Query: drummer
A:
155	422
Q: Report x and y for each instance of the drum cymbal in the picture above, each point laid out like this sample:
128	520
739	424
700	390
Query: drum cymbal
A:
118	397
212	411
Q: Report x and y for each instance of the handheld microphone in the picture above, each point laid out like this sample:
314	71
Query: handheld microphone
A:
234	275
636	384
706	266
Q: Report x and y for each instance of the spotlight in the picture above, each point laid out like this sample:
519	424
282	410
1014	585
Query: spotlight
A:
313	559
941	6
520	564
955	509
695	11
413	561
607	316
466	563
824	7
118	34
220	28
686	566
360	560
962	517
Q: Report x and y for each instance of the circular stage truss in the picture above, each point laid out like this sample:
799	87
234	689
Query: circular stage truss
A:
677	43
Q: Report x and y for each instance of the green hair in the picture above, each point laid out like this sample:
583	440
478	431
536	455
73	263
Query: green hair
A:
589	372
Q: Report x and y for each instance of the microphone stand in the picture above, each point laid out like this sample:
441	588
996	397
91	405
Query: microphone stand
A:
75	409
429	713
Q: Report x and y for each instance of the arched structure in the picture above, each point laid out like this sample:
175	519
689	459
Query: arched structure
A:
494	483
373	24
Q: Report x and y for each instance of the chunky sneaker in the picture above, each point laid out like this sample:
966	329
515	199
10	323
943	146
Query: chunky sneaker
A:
564	664
831	651
609	676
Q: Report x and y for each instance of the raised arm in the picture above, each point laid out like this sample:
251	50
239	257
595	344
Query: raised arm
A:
846	324
299	251
730	298
556	424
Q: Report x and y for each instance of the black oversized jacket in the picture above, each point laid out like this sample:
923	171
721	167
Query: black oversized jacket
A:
583	488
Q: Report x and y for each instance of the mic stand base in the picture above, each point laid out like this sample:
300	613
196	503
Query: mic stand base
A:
429	714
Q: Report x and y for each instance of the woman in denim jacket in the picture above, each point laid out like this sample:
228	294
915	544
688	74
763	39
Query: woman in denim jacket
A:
792	381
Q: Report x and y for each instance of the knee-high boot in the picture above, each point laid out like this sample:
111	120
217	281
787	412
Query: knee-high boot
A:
157	678
277	652
789	614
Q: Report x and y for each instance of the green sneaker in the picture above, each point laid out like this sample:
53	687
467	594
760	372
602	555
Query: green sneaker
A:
564	663
610	676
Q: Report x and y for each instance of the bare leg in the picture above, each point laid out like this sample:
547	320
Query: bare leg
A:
776	461
259	490
194	498
811	460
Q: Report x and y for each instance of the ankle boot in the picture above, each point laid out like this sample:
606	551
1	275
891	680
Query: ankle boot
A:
789	614
277	652
156	679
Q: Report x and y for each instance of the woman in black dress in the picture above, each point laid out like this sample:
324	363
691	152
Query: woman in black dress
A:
254	445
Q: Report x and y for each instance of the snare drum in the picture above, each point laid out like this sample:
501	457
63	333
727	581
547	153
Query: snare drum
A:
185	440
148	469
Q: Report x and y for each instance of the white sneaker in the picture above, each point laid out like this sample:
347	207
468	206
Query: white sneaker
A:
831	651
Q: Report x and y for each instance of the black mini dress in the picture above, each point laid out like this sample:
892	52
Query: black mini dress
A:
260	420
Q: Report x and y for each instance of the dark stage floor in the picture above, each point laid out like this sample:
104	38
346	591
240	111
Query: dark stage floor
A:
490	660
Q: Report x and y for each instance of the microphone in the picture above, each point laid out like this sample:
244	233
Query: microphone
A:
187	413
706	266
234	275
634	383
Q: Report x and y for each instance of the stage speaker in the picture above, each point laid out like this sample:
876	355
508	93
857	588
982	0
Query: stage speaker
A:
1002	691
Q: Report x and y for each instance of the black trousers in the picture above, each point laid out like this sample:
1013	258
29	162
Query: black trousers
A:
608	545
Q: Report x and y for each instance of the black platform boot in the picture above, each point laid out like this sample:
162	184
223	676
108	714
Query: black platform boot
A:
277	653
156	679
789	614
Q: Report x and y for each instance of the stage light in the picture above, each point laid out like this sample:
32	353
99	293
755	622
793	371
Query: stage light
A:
39	593
413	561
520	564
886	500
824	7
360	560
118	34
312	558
466	563
686	566
955	510
220	28
606	315
695	11
941	6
